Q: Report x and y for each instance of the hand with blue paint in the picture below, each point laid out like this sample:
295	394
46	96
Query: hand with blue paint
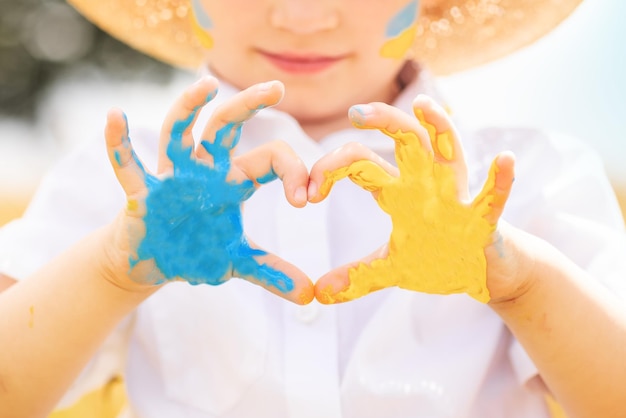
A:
184	222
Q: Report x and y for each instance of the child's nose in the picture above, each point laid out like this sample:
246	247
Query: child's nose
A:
304	16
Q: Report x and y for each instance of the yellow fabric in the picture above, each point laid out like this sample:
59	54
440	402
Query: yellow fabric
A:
106	402
554	408
12	205
620	189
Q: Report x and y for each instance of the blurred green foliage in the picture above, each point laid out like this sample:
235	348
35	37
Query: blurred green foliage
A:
40	39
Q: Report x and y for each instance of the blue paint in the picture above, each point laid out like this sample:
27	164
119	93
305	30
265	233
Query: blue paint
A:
118	157
267	178
202	18
403	20
498	244
194	228
125	124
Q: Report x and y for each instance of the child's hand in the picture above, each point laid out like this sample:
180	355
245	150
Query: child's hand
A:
439	237
184	223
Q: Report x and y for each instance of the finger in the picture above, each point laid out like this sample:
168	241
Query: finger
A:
363	173
403	128
320	180
176	139
274	160
339	285
497	188
441	131
277	276
128	169
443	136
224	127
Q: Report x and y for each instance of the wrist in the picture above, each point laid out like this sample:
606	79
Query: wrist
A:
114	263
511	264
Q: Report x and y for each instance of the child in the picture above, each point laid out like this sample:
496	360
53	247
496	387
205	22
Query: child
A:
237	350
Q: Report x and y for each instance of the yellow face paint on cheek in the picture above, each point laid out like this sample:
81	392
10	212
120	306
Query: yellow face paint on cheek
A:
201	24
398	47
437	242
400	32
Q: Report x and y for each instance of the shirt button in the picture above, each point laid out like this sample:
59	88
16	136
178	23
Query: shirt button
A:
307	313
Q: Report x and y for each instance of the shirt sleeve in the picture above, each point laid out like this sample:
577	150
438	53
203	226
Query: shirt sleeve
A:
562	195
78	195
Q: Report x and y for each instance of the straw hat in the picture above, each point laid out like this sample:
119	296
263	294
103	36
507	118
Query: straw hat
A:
452	35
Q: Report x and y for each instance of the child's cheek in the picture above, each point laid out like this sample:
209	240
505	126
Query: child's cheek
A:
400	32
202	24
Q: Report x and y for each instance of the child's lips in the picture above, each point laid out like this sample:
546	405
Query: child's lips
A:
301	63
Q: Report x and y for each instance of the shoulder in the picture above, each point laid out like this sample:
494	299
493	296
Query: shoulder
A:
533	144
554	173
77	195
539	154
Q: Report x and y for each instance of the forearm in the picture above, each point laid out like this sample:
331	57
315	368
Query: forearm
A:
53	322
573	329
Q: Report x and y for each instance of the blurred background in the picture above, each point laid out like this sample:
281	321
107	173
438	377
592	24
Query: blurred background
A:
59	75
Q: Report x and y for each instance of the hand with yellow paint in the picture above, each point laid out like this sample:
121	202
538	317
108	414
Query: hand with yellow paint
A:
439	237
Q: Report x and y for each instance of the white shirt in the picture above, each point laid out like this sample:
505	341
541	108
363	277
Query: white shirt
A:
238	351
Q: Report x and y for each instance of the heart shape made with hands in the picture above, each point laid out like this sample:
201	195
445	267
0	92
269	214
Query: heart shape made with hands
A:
437	242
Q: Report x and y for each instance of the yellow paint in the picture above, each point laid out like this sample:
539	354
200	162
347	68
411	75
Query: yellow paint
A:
442	142
132	205
445	146
205	38
31	321
105	402
306	296
398	46
437	242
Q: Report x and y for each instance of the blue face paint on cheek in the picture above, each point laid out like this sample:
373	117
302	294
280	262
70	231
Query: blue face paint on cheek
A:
400	32
202	18
193	221
201	24
402	21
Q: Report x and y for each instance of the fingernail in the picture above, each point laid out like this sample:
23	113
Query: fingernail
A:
201	80
312	191
211	95
126	138
359	113
263	87
300	195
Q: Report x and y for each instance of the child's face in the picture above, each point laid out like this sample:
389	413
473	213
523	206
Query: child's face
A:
327	52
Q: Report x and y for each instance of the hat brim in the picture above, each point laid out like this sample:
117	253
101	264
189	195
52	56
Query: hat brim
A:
451	35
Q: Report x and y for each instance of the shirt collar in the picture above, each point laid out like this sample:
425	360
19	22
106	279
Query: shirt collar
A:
416	80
